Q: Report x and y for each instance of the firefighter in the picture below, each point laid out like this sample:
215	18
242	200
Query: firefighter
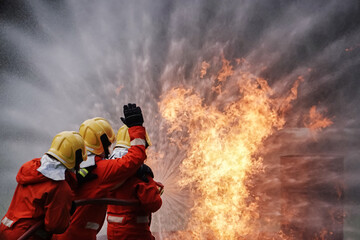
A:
98	134
133	222
43	193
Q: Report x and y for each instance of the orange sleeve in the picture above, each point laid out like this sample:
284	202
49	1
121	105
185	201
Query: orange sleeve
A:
149	196
57	208
116	171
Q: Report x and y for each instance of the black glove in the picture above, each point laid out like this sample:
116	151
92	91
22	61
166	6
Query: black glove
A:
144	171
85	175
133	115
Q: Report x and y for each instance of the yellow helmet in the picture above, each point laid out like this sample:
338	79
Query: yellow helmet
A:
92	129
123	138
64	147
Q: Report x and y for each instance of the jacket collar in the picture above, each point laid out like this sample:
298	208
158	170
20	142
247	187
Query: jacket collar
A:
52	168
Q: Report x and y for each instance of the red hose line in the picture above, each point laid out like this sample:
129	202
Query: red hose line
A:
31	231
109	201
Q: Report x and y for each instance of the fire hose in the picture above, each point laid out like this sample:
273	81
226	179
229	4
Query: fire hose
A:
31	230
82	202
109	201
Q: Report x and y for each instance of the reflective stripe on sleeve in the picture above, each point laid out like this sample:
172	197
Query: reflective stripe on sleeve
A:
138	141
115	219
139	219
92	225
7	222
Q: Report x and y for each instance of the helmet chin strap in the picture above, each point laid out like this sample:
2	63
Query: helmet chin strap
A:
78	159
106	144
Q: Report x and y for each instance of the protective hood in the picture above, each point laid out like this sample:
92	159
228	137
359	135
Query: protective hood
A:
118	152
52	168
28	173
89	162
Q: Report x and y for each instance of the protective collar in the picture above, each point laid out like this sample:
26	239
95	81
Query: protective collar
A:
52	168
119	152
89	162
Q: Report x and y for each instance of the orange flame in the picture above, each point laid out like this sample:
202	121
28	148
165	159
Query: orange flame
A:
226	70
204	67
221	146
316	121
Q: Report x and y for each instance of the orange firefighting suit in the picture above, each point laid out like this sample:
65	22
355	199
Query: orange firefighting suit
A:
37	198
87	220
133	222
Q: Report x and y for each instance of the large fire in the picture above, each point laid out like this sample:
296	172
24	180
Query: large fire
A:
223	144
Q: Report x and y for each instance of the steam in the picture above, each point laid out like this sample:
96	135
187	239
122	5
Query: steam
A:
64	62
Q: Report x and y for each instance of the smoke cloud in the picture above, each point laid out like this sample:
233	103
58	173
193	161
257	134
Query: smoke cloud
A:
62	62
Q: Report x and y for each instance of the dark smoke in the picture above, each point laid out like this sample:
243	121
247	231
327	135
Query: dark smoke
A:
62	62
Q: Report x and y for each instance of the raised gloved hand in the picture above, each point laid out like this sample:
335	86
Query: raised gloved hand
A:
144	171
85	175
133	115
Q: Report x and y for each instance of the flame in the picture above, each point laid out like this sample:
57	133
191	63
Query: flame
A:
222	142
316	121
226	70
204	67
323	235
285	102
